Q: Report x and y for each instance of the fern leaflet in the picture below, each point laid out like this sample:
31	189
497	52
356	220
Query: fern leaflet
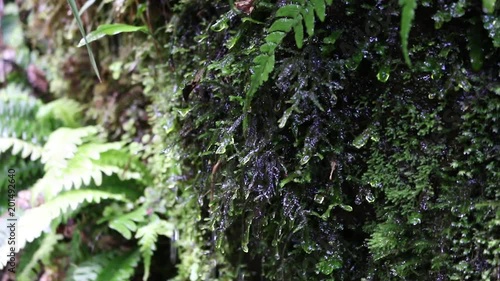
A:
26	149
289	17
120	268
125	224
62	145
407	16
63	109
89	269
37	220
148	235
46	247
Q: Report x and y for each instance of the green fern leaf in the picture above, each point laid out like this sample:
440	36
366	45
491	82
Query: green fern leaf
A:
17	106
126	224
62	145
130	167
289	17
264	65
66	110
46	247
308	15
148	235
80	170
407	16
283	25
111	266
319	8
37	220
120	268
272	40
18	146
91	268
298	30
291	11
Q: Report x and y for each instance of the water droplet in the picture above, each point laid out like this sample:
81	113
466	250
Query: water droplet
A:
220	25
308	247
357	200
369	197
218	242
274	243
222	146
346	207
415	219
318	198
383	74
363	138
328	264
248	157
246	235
305	159
284	118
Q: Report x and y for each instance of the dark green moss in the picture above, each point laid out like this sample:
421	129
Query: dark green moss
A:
353	166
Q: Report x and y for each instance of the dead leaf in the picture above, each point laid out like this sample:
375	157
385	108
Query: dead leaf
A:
37	79
245	6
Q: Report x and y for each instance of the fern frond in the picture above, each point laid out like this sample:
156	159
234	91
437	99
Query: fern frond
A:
133	168
46	247
62	145
289	17
89	269
27	172
120	268
80	170
126	224
148	235
112	266
37	220
70	163
66	110
26	149
407	16
16	107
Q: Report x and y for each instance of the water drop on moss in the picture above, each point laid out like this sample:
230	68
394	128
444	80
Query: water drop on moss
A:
383	74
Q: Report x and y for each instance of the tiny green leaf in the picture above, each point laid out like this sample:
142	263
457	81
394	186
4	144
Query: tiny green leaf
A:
298	29
269	47
275	37
282	24
320	8
110	29
407	16
308	14
290	11
489	6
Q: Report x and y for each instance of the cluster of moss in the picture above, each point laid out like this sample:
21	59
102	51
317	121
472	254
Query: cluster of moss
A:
353	165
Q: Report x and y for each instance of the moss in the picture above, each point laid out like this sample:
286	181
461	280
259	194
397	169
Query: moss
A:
345	164
341	168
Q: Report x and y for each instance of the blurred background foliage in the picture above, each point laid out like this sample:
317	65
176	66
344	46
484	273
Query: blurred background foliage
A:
252	140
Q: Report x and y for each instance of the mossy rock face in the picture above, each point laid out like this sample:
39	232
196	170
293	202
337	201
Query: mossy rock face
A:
346	164
353	165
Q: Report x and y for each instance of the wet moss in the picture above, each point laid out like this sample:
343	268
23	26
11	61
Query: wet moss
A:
345	172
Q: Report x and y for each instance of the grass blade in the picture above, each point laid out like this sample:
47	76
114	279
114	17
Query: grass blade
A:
74	10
